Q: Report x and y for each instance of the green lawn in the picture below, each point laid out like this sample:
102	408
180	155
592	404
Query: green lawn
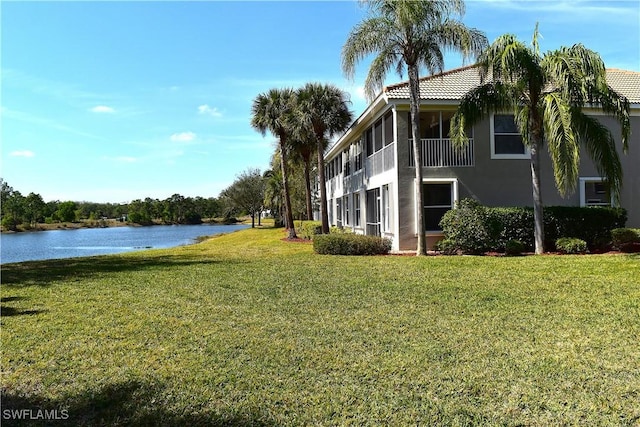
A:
246	329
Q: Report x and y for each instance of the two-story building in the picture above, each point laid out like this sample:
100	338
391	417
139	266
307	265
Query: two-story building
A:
371	186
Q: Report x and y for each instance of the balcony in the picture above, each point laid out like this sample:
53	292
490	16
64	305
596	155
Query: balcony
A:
440	153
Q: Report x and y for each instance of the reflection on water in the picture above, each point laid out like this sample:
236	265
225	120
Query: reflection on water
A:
18	247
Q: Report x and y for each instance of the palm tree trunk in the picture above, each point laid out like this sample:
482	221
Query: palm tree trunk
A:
417	155
324	216
538	218
291	231
307	183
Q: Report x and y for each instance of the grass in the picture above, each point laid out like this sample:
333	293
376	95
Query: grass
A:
245	329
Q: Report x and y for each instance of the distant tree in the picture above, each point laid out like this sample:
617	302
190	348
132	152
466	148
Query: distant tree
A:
67	211
34	208
246	193
273	195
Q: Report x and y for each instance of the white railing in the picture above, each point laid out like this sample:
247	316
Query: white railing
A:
381	161
439	153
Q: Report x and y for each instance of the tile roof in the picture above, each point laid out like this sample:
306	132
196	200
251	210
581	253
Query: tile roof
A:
453	84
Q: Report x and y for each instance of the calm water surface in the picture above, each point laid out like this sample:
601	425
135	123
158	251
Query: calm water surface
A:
39	245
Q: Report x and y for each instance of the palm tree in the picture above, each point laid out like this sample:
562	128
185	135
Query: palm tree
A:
411	33
270	112
546	94
302	150
322	109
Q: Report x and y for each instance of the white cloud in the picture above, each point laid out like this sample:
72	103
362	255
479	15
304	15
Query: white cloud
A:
102	109
209	111
22	153
183	137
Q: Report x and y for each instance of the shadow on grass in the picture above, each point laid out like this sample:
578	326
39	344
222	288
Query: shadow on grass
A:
42	273
125	404
6	311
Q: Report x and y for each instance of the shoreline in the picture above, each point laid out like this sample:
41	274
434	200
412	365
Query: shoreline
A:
110	223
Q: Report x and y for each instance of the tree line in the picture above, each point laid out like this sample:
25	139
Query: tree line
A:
18	211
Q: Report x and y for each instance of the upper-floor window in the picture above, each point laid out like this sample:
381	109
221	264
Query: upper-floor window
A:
380	134
506	140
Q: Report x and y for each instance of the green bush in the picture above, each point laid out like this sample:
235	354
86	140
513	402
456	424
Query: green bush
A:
472	228
350	244
591	224
308	229
514	247
466	228
625	239
571	245
446	247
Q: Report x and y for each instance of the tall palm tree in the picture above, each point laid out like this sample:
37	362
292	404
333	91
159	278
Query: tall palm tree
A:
270	112
547	94
323	110
411	33
302	151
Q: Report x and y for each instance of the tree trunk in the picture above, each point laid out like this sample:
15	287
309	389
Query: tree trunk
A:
414	89
253	220
291	231
307	182
324	216
538	219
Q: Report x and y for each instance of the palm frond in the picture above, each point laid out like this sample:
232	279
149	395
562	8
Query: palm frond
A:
562	141
478	104
454	35
369	36
380	66
601	146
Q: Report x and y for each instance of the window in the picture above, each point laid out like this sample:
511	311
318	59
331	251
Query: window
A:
386	210
377	135
368	141
347	163
506	141
594	192
345	203
439	197
339	212
373	212
388	128
358	158
356	207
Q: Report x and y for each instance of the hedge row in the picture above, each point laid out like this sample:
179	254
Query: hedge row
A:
473	228
350	244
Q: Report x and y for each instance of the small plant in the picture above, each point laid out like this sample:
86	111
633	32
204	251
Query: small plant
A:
514	247
447	247
350	244
626	239
308	229
571	245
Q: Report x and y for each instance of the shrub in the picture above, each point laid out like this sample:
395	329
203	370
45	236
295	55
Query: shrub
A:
571	245
591	224
308	229
350	244
514	247
447	247
465	227
472	228
625	239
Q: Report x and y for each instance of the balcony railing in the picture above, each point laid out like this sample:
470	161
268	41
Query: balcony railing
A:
440	153
381	161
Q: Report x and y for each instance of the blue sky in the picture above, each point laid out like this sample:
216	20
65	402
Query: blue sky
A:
114	101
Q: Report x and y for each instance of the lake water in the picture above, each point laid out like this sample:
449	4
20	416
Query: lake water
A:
40	245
